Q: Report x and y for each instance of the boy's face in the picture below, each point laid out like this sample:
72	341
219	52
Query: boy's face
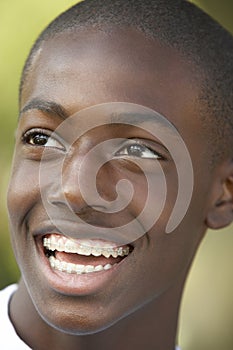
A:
83	70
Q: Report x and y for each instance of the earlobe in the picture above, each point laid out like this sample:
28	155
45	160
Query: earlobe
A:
220	213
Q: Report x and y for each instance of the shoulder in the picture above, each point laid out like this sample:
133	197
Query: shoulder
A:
9	338
5	296
6	293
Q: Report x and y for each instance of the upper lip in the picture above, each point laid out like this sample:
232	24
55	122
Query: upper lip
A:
78	231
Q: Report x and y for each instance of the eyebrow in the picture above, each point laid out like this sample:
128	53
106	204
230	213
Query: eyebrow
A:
49	107
54	108
140	118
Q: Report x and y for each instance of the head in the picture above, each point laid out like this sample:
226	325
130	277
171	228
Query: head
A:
139	53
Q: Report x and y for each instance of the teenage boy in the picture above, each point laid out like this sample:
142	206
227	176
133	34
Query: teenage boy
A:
80	288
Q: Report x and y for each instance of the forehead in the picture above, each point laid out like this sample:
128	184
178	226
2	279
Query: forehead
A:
89	67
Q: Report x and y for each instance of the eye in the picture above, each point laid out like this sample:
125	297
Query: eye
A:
42	138
136	149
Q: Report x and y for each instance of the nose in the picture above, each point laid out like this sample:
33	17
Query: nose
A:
83	187
87	182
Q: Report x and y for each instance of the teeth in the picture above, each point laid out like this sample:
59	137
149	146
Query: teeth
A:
114	254
79	269
107	267
62	244
99	268
84	250
96	251
69	247
89	268
75	268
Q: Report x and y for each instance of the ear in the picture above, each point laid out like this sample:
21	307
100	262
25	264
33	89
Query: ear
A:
220	213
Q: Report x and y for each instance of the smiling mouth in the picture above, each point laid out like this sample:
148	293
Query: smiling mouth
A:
80	256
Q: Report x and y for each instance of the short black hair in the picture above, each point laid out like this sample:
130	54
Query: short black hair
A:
180	25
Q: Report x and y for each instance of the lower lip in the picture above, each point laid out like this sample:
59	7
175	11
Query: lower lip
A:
83	284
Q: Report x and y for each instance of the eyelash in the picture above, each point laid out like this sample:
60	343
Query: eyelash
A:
44	134
144	148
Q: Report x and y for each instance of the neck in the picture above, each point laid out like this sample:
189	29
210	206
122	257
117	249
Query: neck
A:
151	327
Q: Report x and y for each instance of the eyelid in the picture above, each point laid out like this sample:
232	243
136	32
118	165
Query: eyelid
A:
34	130
42	131
148	144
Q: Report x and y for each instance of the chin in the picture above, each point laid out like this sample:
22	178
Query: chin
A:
74	324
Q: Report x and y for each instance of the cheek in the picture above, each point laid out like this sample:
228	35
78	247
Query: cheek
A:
23	189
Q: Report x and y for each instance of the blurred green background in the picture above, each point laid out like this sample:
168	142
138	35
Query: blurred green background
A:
206	321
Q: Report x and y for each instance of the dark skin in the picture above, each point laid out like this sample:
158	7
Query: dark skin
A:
83	70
